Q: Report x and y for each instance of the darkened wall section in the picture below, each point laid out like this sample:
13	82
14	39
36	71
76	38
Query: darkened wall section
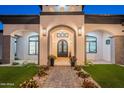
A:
1	45
119	49
6	49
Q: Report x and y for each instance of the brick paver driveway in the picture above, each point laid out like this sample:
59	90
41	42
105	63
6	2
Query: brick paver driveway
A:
62	77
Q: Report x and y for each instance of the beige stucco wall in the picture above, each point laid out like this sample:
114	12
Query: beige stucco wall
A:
114	29
43	56
73	21
54	40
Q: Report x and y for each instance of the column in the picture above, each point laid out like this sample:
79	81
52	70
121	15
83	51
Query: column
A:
6	49
1	46
119	49
43	55
80	47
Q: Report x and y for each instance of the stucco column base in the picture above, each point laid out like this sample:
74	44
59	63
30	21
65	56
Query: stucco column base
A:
43	63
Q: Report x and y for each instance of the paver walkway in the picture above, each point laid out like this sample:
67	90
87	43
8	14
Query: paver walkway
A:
62	77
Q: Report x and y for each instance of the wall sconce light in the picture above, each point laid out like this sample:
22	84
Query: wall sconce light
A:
62	5
80	31
44	31
122	23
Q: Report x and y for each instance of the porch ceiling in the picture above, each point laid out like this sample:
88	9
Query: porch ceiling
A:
20	19
104	19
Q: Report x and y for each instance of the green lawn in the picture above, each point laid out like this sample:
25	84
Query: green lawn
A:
108	76
13	76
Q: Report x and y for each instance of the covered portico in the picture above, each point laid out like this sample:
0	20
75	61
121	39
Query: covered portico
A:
62	36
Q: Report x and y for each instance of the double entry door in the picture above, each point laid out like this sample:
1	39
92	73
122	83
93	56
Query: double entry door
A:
62	48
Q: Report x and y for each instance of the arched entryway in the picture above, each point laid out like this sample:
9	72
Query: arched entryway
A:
62	48
62	43
99	47
24	46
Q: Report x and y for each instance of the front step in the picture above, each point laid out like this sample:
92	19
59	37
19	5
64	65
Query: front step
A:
62	61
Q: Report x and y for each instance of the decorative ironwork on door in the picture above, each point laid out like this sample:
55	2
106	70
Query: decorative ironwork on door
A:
62	48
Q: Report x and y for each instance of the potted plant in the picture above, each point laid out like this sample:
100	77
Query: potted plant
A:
83	74
78	68
52	59
69	54
73	60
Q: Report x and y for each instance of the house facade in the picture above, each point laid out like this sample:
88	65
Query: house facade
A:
62	31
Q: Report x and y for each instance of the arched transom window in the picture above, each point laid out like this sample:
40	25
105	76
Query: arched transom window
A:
62	35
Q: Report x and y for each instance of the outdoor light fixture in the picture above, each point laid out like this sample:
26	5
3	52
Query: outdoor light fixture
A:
79	31
44	31
122	23
62	8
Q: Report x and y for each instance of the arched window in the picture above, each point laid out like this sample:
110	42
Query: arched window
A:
91	44
33	45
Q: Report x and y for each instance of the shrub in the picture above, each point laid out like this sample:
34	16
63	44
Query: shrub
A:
51	60
69	54
78	68
41	72
89	62
51	57
73	60
89	84
16	58
29	84
15	63
83	74
44	67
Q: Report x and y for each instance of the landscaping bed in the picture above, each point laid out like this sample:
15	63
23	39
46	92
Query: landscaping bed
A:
37	80
86	80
